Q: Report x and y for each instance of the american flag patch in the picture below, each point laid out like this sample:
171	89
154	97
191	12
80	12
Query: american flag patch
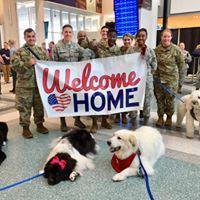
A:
59	103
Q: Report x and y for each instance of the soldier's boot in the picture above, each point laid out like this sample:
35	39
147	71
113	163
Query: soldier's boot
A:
124	118
168	121
160	121
63	125
94	127
42	129
133	123
117	118
145	121
26	132
79	123
105	123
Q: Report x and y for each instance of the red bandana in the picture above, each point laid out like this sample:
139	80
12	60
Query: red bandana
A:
119	165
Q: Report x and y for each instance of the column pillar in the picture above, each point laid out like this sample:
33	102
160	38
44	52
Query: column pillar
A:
39	11
8	19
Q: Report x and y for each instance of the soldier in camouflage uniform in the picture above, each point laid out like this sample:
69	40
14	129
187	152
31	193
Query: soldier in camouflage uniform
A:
148	54
27	94
187	59
108	50
170	62
125	49
103	41
83	41
67	51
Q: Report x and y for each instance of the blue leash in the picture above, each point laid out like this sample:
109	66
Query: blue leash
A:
167	89
20	182
146	178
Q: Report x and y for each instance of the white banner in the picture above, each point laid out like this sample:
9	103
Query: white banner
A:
94	87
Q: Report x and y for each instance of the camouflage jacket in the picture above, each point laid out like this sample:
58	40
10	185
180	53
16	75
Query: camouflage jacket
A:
170	63
88	53
26	72
108	51
150	59
124	50
70	52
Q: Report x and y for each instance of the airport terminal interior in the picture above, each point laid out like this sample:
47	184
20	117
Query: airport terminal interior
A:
176	173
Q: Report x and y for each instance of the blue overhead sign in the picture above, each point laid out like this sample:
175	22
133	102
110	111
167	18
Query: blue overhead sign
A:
126	16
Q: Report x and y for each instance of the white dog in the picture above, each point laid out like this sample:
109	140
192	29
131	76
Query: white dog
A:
125	145
190	108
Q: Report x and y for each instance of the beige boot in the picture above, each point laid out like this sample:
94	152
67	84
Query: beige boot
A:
27	133
124	119
79	123
63	125
105	123
42	129
94	127
160	122
168	121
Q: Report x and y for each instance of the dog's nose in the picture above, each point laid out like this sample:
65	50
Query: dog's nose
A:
109	143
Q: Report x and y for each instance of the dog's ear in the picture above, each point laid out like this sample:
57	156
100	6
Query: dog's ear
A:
133	140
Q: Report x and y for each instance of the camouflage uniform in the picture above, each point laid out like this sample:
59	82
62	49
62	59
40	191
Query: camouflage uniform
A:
70	52
105	51
27	94
187	59
151	62
170	62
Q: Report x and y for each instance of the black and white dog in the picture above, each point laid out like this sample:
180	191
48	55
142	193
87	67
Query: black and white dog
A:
70	156
3	139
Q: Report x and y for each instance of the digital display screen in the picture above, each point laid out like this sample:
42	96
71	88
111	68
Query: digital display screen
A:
126	16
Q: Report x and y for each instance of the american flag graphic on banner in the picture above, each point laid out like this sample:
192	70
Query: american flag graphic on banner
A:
59	103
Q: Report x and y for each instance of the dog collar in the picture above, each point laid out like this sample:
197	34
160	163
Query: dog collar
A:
119	165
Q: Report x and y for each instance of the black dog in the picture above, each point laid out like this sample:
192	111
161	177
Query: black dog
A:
59	168
68	158
82	141
3	139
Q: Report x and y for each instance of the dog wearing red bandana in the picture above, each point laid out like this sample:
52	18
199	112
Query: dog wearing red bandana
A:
70	156
126	145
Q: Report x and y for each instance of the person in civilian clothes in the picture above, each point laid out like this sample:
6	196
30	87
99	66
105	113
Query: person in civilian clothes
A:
14	73
5	55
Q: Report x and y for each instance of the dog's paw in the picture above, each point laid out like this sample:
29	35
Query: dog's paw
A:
73	176
118	177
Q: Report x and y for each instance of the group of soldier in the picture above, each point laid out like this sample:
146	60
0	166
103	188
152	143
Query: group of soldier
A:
165	64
